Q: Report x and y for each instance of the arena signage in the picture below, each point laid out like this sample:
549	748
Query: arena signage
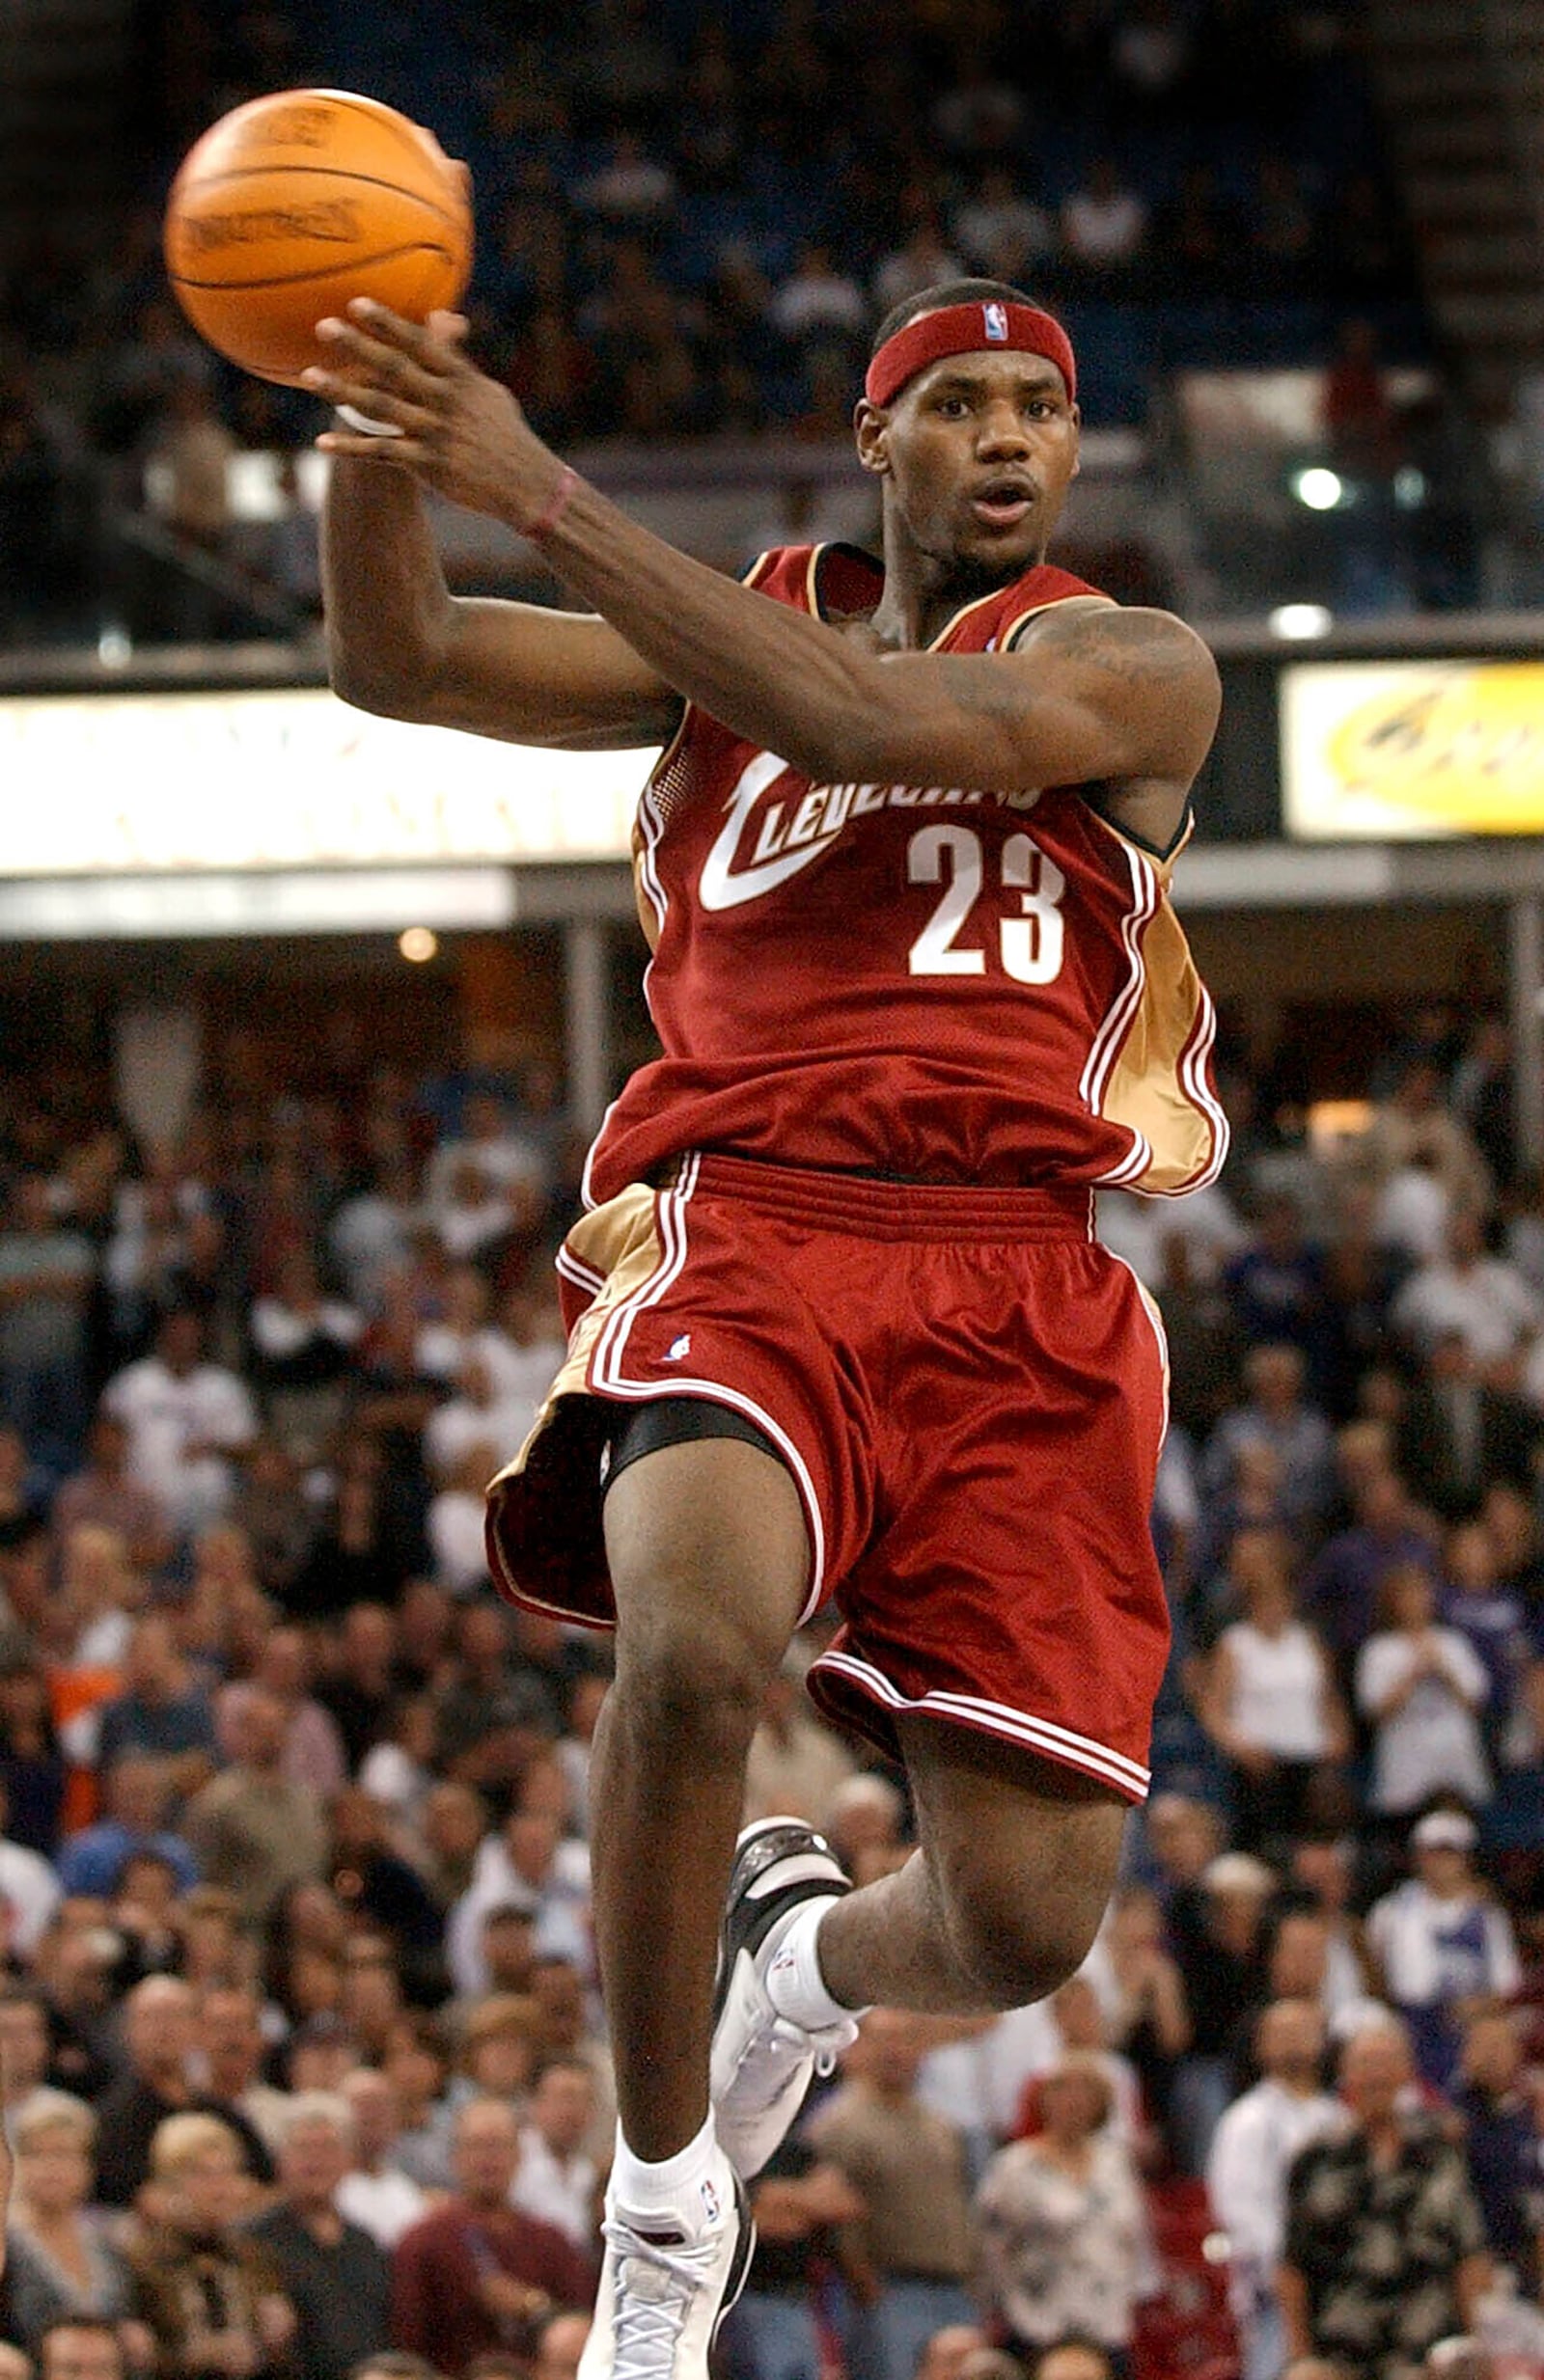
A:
1401	750
157	783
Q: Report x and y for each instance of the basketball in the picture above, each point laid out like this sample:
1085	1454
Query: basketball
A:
294	203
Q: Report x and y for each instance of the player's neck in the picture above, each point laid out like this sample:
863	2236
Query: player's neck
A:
923	592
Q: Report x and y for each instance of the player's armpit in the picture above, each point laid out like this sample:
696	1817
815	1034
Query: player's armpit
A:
526	675
1094	696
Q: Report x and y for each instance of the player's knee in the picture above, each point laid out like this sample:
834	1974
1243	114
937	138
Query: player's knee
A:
685	1680
1016	1939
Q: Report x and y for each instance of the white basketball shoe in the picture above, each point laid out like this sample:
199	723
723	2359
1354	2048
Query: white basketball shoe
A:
762	2061
665	2287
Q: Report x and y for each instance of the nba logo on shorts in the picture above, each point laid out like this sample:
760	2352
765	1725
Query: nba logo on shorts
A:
994	320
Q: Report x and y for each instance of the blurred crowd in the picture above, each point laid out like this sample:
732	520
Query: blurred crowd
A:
688	230
303	2057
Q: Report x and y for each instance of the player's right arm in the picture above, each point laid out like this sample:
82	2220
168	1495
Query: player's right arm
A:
400	643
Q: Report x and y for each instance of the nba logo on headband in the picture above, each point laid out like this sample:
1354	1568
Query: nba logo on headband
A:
993	321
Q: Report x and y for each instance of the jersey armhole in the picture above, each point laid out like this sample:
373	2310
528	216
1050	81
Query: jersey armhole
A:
1161	852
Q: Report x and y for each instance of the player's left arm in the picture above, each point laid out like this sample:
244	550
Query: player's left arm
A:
1097	695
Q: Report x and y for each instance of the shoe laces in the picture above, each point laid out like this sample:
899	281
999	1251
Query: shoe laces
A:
777	2053
655	2284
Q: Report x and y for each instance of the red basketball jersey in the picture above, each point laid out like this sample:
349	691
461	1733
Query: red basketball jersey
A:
913	980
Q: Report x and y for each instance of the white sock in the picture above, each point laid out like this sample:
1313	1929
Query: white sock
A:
684	2188
794	1983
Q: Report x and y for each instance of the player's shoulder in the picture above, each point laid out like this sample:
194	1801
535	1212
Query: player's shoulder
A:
1137	641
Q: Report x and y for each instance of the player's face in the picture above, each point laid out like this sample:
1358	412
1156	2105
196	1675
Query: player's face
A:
980	451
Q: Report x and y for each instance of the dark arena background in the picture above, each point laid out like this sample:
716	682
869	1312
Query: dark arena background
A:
308	1017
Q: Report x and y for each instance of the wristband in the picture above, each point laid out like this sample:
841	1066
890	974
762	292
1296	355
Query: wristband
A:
352	418
557	504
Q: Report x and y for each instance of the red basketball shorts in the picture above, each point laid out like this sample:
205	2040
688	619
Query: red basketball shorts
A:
970	1393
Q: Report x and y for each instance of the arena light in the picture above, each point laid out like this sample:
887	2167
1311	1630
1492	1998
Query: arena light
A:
1321	490
1300	623
418	943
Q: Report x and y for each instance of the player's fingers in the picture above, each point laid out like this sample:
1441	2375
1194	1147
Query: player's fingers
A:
378	404
350	349
409	339
451	329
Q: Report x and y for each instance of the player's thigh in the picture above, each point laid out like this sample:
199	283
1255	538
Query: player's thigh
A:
710	1555
1019	1848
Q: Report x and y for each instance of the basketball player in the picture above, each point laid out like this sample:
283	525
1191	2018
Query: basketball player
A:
840	1324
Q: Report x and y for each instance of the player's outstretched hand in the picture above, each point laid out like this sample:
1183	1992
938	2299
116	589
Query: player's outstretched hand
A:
437	415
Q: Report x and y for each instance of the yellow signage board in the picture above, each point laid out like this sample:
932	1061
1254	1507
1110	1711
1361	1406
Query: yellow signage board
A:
1396	751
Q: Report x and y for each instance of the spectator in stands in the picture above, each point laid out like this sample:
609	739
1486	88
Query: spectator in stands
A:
159	2035
817	302
525	1866
1219	1942
93	1861
477	1420
272	1526
1494	1620
250	1828
190	451
1385	2245
795	1764
558	2182
1251	2153
360	1690
1444	1947
29	1891
1142	1994
923	260
208	2291
186	1418
1343	1586
45	1276
1270	1705
376	2193
797	2202
334	2275
60	2259
1000	230
417	2065
1465	1290
1502	2144
1298	1434
32	1764
103	1494
1413	1121
1420	1688
475	2276
1065	2240
163	1712
80	2350
232	2048
912	2253
314	1757
1104	227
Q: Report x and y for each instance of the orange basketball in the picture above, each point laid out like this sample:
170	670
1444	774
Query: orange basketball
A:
292	205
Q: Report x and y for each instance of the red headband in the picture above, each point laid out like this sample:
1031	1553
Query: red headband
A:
963	330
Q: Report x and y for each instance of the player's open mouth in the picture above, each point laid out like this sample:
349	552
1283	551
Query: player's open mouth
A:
1003	504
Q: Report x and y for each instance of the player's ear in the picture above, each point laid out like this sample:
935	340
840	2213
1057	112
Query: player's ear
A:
1077	442
870	426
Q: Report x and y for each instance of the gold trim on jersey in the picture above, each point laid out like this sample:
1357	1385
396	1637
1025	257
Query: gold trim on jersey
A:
1147	1089
618	1244
812	596
1152	1082
1055	602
